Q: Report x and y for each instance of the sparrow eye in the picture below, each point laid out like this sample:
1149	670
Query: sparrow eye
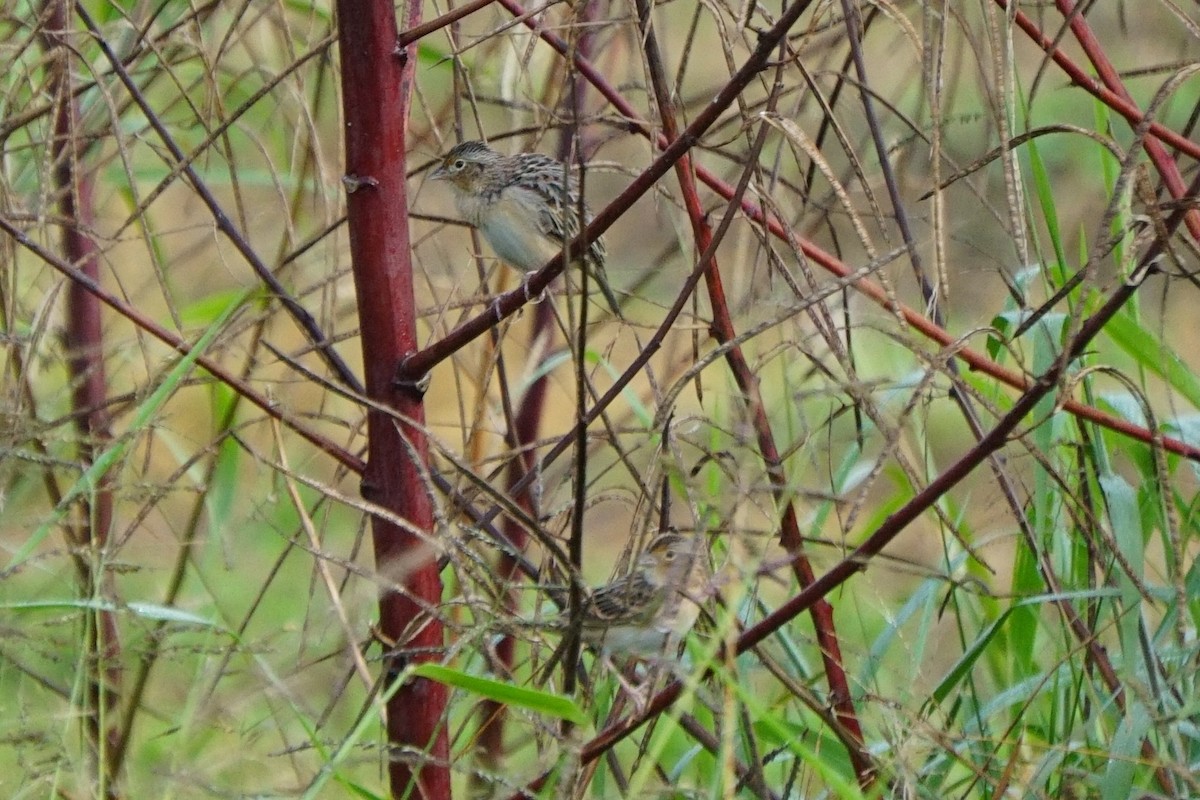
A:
459	164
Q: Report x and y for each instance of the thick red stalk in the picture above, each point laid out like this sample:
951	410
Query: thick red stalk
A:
376	89
84	339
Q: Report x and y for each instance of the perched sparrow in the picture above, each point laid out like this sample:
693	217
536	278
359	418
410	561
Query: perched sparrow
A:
650	610
526	206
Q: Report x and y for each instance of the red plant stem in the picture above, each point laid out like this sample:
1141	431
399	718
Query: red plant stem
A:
376	91
414	33
85	363
722	329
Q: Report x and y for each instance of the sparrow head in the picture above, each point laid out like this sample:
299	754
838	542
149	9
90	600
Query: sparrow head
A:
674	559
464	166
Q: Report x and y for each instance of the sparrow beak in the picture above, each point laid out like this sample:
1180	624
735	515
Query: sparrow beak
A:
439	174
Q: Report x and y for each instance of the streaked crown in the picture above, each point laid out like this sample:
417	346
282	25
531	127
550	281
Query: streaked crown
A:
464	161
672	558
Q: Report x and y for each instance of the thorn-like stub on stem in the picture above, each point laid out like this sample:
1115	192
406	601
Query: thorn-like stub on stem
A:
405	382
355	182
396	664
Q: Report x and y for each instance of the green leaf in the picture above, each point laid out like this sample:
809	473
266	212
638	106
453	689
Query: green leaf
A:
1124	753
554	360
151	611
1122	503
224	486
206	310
532	699
967	660
1151	353
1050	328
1044	190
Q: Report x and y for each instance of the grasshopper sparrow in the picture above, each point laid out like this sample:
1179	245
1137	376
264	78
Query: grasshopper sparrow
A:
651	609
521	206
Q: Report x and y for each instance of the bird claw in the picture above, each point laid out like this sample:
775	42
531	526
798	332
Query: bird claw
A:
639	696
530	297
641	700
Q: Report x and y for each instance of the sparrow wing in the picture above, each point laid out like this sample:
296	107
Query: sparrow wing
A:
543	175
628	600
